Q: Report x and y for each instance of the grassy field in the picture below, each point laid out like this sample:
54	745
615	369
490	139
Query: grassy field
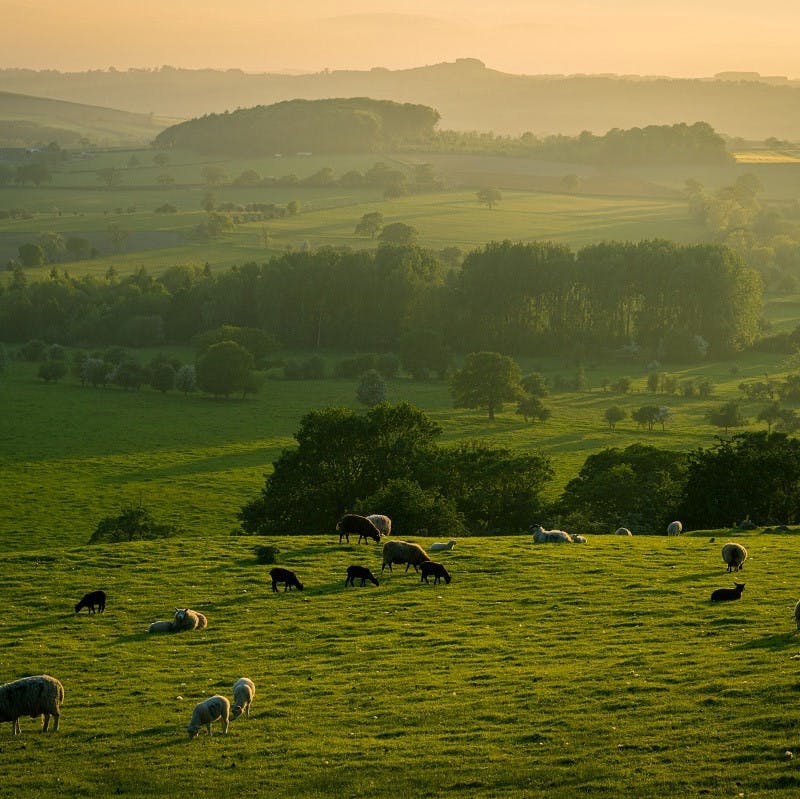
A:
551	671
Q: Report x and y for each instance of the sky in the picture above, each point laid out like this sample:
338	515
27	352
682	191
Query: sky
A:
680	38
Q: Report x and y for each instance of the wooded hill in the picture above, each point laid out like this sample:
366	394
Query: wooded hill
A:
468	95
320	126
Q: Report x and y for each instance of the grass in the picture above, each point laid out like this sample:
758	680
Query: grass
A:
599	669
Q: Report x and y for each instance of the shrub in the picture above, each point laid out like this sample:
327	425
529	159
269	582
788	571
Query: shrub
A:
134	523
266	554
33	350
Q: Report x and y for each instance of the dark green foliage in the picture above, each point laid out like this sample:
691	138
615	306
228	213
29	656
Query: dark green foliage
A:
486	380
134	523
163	377
647	416
130	374
423	353
398	233
52	371
755	474
639	487
257	342
727	415
186	378
489	197
266	553
386	365
530	407
31	254
370	224
371	388
535	384
614	415
312	368
33	350
95	371
224	369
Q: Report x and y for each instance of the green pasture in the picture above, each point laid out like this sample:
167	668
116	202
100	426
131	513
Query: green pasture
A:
540	671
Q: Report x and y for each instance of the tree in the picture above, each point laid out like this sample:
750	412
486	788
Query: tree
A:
129	374
647	416
110	176
570	183
95	371
486	380
52	371
163	377
398	233
423	352
370	224
78	247
36	173
213	174
371	388
161	159
292	208
489	196
185	378
134	523
224	369
727	415
31	254
531	407
614	415
535	384
118	235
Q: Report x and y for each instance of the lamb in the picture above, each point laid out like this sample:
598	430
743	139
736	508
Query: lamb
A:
162	627
362	573
383	523
91	599
578	539
243	692
725	594
438	571
215	707
674	528
439	546
403	552
186	619
285	576
734	555
41	695
352	523
542	536
623	531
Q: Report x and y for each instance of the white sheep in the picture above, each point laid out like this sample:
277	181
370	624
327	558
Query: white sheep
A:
213	708
542	536
440	546
674	528
243	692
186	619
383	523
41	695
623	531
734	555
162	627
403	552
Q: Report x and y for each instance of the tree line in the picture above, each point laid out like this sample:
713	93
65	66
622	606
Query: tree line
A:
524	299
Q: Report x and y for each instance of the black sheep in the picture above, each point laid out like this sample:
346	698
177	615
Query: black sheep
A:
352	523
724	594
359	572
438	571
91	599
285	576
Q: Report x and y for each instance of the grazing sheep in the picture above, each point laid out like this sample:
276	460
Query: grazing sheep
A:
725	594
797	614
403	552
186	619
734	555
91	599
578	539
674	528
439	546
438	571
542	536
361	573
162	627
215	707
285	576
41	695
623	531
352	523
383	523
243	692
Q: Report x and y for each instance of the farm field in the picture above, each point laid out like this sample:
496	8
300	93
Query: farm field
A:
539	671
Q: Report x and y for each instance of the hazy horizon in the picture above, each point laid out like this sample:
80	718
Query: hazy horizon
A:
644	37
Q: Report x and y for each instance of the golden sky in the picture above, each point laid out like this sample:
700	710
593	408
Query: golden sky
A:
683	38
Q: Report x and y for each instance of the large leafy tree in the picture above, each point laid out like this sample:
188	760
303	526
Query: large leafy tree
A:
487	380
224	369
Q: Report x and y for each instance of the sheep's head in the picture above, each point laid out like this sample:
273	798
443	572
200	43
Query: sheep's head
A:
192	730
236	711
180	614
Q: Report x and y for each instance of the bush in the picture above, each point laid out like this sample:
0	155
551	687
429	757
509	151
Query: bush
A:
134	523
167	208
52	371
266	554
33	350
312	368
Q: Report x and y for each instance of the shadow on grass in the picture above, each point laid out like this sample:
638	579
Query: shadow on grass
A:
691	578
774	642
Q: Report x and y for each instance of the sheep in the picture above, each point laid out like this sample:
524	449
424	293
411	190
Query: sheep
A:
215	707
623	531
542	536
285	576
440	546
797	614
674	528
353	523
403	552
734	555
90	600
243	692
362	573
725	594
186	619
383	523
162	627
436	569
578	539
41	695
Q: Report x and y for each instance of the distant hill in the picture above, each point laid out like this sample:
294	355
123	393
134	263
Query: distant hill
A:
27	121
468	95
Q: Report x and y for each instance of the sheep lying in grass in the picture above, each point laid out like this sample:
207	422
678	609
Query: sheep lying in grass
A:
403	552
734	555
578	539
359	573
243	692
353	524
674	528
383	523
186	619
438	571
726	594
41	695
285	576
440	546
92	599
215	707
162	627
623	531
542	536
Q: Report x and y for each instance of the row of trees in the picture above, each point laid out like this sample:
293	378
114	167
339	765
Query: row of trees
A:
522	299
390	459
